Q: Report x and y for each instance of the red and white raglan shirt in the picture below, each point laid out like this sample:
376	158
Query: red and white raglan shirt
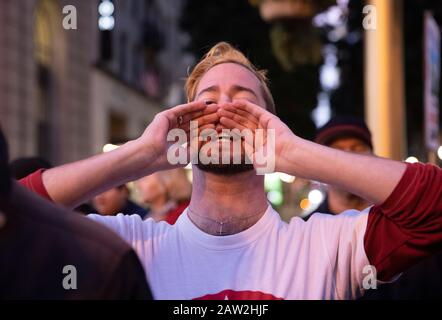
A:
324	258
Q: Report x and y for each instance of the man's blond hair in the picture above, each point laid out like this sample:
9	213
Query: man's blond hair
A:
223	52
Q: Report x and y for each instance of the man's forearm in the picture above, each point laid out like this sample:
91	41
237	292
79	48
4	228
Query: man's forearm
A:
77	182
370	177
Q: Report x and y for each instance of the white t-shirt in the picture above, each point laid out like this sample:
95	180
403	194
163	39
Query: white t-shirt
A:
323	258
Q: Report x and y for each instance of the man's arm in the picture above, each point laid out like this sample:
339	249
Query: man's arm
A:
407	226
370	177
77	182
404	226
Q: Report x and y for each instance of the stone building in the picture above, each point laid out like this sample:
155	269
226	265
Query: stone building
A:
62	96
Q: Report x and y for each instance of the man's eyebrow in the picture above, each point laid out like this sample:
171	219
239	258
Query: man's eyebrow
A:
238	88
208	89
234	89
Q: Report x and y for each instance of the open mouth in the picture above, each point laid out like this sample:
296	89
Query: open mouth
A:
230	136
226	137
221	135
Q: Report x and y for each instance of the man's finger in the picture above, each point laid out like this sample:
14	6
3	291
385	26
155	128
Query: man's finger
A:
244	121
251	108
192	116
240	112
176	114
201	121
232	124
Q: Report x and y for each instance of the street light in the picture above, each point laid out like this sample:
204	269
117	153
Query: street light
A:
412	160
109	147
106	9
315	196
286	177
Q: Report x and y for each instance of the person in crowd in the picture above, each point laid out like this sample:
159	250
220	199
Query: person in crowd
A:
349	134
230	243
117	200
423	281
167	194
49	252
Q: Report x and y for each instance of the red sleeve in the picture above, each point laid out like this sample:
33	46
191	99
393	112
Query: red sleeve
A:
34	182
174	214
407	227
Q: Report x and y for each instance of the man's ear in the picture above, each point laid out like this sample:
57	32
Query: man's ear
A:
5	179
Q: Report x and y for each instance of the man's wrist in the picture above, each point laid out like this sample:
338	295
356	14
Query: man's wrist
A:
142	158
290	154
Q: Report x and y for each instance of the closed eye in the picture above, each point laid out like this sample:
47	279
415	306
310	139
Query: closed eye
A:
208	102
251	98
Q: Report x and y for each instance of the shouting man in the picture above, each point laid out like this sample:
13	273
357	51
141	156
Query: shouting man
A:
230	243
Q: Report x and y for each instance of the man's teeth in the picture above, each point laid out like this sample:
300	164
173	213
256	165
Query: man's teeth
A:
225	136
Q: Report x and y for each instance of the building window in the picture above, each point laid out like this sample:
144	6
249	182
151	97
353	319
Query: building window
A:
117	128
136	66
43	55
123	56
134	8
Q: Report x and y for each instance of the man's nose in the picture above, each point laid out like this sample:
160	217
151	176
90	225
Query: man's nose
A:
218	126
225	102
223	99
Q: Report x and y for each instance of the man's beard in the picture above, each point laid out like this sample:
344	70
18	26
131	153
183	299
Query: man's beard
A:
227	168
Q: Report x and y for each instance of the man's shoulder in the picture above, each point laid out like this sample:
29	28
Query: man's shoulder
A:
54	238
133	229
325	223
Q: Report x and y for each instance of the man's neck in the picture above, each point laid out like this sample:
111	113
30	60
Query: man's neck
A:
226	204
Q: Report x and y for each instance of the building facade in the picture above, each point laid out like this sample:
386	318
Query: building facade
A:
64	93
45	78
